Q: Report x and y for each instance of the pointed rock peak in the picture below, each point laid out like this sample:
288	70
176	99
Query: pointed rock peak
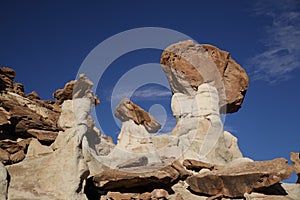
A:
127	110
76	89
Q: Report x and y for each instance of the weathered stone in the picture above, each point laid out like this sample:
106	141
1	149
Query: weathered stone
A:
140	178
127	110
295	158
43	135
76	89
133	142
60	174
242	178
157	194
4	117
3	182
188	65
197	165
33	96
182	193
198	133
293	190
4	156
64	94
35	149
25	114
136	162
13	151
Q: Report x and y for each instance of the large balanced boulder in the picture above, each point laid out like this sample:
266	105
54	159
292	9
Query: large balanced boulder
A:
188	65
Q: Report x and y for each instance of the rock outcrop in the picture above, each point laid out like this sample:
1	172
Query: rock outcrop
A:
134	145
23	117
3	182
198	133
52	150
188	65
140	179
295	158
58	174
239	179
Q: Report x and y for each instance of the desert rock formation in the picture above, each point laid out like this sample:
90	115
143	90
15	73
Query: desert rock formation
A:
52	149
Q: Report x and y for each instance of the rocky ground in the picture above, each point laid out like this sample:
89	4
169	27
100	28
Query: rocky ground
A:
52	150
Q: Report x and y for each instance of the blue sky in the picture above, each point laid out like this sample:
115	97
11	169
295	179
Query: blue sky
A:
47	41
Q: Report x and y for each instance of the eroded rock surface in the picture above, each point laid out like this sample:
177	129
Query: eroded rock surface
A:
58	173
242	178
134	145
3	182
295	158
127	110
140	179
188	65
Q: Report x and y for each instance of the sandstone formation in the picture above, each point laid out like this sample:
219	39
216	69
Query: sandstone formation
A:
46	178
52	149
140	179
134	147
23	117
198	133
295	158
242	178
3	182
188	65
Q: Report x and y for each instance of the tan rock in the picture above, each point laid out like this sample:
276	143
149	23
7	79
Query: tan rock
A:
295	158
13	151
188	65
4	117
140	177
197	165
242	178
75	89
4	156
28	114
3	182
60	174
127	110
7	76
35	149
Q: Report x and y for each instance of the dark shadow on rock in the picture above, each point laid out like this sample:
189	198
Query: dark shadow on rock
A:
275	189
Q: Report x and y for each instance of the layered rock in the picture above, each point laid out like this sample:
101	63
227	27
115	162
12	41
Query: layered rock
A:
23	117
235	181
134	147
198	133
59	172
188	65
295	158
13	151
140	179
127	110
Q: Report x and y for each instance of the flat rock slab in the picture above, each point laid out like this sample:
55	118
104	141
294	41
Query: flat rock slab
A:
139	178
242	178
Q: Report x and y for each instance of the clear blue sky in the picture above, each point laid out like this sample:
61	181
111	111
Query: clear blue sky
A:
47	41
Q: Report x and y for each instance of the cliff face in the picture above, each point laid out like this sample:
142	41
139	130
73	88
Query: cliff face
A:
52	150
